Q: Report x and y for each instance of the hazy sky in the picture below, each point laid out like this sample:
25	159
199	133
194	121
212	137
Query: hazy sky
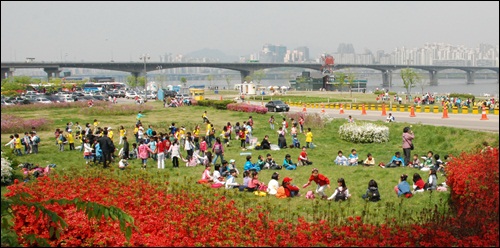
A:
99	31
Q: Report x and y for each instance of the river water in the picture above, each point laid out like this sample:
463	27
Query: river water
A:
445	86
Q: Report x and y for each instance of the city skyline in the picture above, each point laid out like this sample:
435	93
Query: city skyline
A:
104	31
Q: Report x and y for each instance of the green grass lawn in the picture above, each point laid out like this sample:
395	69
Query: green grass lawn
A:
441	140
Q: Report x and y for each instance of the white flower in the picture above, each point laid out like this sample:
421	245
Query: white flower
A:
6	171
364	133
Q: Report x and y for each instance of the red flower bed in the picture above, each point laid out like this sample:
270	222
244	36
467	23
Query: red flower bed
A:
244	107
165	219
473	179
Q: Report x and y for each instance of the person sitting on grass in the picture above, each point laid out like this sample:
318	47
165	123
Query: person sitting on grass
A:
341	159
403	188
303	159
249	165
372	193
418	183
396	161
341	192
432	181
288	164
369	161
353	158
290	190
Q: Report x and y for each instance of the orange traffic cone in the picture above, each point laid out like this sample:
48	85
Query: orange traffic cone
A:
483	116
323	108
412	112
383	110
445	112
221	98
341	109
363	110
304	108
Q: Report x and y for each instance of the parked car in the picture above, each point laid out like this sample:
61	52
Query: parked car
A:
7	102
67	98
169	93
53	98
42	100
130	94
120	93
277	106
99	98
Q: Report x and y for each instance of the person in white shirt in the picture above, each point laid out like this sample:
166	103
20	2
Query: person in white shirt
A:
273	185
231	180
217	176
390	118
342	192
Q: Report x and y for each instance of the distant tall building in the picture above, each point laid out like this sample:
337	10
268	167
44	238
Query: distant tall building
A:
345	48
273	53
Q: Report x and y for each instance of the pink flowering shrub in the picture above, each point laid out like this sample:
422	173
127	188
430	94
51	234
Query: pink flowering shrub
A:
115	109
244	107
15	124
54	105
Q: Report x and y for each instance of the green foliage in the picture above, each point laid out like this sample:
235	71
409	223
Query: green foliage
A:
132	81
184	80
462	96
215	103
410	78
247	79
92	210
259	75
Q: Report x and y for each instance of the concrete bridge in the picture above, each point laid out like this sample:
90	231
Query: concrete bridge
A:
53	69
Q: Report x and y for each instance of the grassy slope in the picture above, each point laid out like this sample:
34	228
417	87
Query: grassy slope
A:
442	140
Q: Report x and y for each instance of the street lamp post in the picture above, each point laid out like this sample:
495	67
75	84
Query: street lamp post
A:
145	57
161	78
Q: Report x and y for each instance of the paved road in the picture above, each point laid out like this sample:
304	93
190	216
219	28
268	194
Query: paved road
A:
467	121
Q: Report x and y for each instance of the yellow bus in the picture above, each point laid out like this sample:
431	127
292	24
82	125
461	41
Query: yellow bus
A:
197	94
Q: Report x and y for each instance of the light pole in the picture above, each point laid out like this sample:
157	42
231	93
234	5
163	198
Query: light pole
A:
145	57
161	78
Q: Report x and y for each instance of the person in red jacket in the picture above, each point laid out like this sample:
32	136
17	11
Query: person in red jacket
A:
321	181
290	190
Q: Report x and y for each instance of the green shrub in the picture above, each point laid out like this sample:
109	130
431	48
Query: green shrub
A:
462	96
215	103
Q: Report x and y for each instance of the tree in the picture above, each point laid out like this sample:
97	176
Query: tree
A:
228	81
422	83
350	79
184	81
210	78
410	79
247	79
259	75
132	81
341	79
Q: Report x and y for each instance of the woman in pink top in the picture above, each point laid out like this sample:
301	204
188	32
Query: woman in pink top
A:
144	151
408	137
254	182
203	146
206	174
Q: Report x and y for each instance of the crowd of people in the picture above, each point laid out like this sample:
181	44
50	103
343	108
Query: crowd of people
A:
194	148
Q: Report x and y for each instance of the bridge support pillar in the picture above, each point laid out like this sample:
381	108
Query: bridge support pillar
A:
433	78
387	78
244	74
470	77
7	72
135	75
52	72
